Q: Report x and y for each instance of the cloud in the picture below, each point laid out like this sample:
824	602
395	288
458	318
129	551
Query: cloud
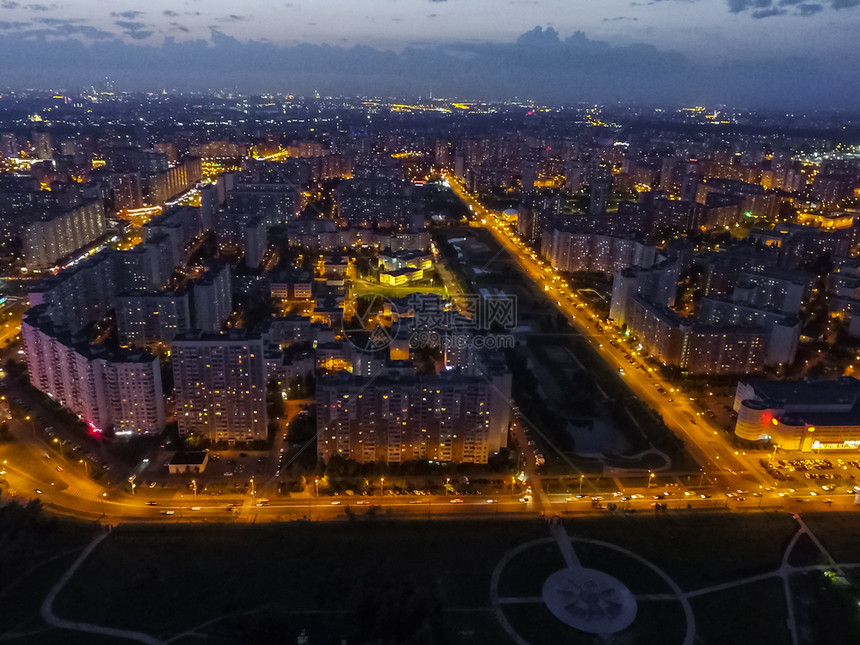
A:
131	15
58	22
801	8
56	28
88	31
170	13
130	25
808	9
232	18
41	7
768	13
541	64
8	4
134	29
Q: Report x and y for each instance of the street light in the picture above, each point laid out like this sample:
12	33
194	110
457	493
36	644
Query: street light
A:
650	479
59	443
382	486
86	466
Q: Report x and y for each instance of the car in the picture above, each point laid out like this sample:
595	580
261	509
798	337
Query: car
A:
151	503
59	469
229	473
335	503
363	503
457	500
168	512
195	508
39	491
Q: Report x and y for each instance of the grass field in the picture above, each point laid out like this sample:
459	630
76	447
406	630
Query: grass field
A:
418	582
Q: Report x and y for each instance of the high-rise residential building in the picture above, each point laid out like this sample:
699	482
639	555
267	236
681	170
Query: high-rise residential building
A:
254	235
211	297
657	284
106	389
126	190
698	348
134	393
585	251
57	233
180	224
42	147
395	418
8	145
599	192
267	189
220	385
152	319
81	294
209	205
377	195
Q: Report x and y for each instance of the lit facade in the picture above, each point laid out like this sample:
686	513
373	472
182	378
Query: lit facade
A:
390	419
800	415
105	389
220	385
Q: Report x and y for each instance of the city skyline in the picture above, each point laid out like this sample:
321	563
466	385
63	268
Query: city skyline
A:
457	335
749	53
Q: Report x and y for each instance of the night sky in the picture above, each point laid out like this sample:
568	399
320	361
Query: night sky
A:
776	53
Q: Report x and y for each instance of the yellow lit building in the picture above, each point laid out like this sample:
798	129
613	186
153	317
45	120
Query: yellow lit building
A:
826	221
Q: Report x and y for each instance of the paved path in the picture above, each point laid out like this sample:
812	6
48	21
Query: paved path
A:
51	618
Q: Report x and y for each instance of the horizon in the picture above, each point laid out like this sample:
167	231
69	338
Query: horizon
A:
750	53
